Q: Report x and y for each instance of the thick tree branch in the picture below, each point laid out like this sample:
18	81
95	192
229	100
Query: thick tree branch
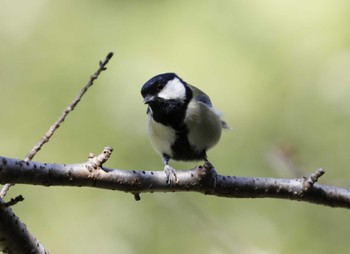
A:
14	236
203	179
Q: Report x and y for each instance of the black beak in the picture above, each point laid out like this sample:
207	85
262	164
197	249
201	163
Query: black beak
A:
148	98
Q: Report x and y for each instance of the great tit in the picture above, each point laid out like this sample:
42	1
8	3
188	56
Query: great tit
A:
182	123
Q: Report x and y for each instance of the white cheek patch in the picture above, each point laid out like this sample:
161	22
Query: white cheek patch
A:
174	89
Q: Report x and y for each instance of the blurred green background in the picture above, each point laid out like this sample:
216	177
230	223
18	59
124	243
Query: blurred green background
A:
278	70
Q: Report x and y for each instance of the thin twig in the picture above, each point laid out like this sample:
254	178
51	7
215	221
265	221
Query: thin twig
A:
72	105
14	236
60	120
15	200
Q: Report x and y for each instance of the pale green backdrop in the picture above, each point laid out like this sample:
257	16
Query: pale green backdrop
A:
279	71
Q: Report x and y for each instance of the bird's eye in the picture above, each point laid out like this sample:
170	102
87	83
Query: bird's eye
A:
160	86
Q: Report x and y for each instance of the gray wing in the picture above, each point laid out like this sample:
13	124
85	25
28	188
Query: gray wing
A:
204	99
200	96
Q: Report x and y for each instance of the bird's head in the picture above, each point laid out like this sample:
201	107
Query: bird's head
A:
164	87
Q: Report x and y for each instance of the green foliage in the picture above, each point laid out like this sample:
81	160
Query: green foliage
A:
278	70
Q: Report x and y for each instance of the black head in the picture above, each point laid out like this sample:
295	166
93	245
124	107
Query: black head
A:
155	85
167	97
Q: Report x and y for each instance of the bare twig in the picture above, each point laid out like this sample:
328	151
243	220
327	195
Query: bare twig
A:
203	179
72	105
5	189
14	237
35	149
15	200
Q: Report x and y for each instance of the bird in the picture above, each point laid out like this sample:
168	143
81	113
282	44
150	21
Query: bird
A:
182	122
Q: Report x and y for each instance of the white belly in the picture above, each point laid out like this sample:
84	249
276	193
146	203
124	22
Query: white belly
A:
161	137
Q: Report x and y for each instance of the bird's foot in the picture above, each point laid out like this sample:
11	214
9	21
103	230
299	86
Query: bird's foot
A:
208	165
170	173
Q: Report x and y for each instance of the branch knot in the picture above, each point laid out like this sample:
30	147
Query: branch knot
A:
308	182
96	162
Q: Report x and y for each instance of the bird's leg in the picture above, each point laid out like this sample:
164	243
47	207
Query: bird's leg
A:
170	173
